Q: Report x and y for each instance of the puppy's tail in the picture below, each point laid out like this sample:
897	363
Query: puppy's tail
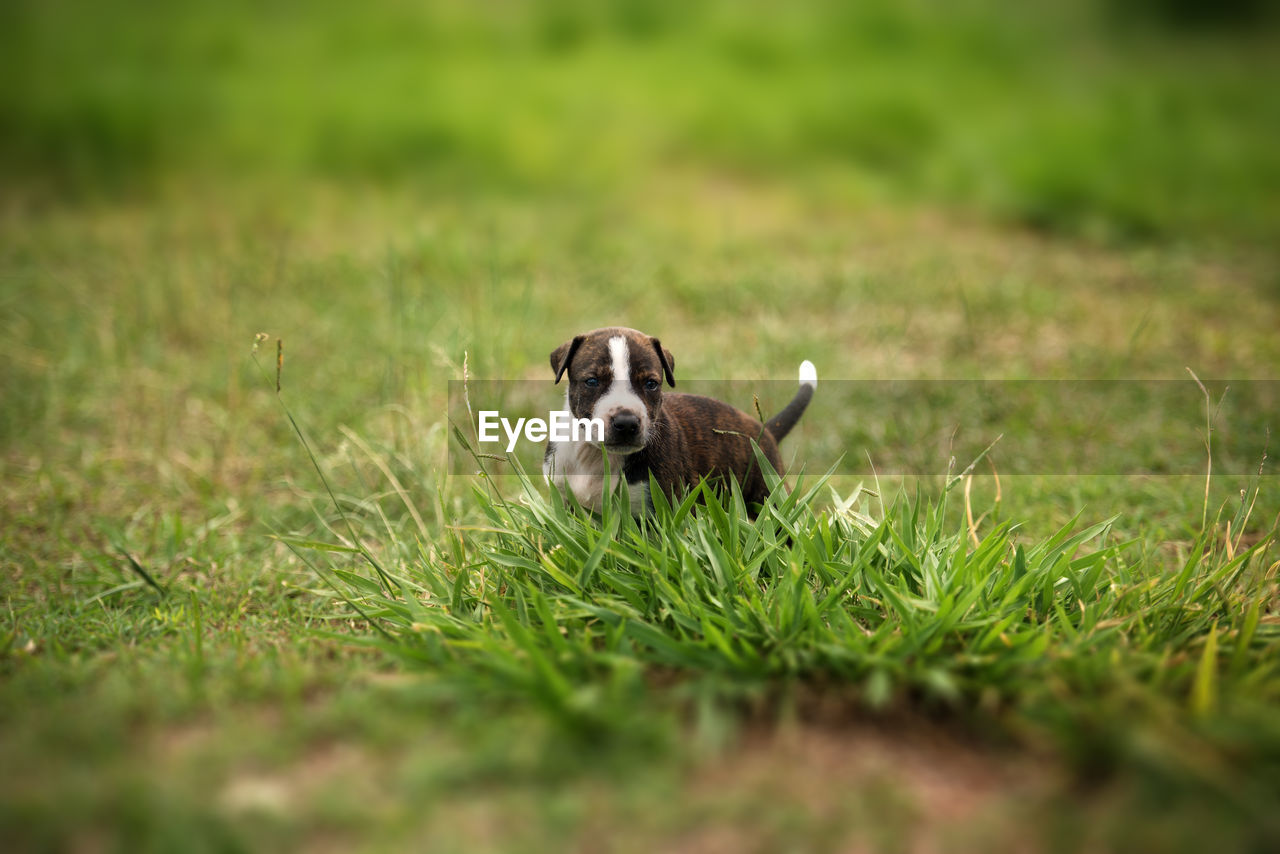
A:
780	425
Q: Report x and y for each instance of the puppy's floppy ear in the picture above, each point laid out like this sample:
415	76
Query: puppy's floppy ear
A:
563	355
668	362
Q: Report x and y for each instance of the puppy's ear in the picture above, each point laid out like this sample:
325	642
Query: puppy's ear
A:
668	362
563	355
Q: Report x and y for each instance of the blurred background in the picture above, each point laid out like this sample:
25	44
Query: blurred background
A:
906	189
1137	119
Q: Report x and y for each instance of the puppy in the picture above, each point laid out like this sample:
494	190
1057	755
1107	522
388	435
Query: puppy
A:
616	375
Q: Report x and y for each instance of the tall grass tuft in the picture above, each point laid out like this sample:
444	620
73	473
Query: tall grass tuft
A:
589	617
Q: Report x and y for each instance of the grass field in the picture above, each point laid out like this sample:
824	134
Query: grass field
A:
219	635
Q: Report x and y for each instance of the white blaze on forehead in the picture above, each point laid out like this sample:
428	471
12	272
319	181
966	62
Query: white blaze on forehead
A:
620	394
620	353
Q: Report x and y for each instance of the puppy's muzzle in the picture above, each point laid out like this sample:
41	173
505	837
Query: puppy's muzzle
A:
624	431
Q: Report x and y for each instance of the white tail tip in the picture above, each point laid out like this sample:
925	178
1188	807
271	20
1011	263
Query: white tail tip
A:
808	374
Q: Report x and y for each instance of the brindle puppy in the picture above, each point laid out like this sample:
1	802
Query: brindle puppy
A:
616	375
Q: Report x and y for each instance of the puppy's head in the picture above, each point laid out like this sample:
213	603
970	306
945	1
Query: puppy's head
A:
616	375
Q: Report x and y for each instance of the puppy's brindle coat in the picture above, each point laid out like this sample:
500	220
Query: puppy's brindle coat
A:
616	375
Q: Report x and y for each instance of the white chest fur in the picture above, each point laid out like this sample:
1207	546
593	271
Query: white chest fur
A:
580	466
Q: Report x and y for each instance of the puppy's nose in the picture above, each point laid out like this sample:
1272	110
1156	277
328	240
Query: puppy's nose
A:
626	425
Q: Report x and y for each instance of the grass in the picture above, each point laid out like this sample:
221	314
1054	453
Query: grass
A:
212	702
551	602
204	646
618	628
249	705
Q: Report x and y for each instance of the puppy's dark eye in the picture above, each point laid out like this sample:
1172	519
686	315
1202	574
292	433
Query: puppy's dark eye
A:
591	382
651	385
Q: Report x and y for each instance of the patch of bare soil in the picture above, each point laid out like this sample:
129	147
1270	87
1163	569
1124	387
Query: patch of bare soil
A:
865	786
